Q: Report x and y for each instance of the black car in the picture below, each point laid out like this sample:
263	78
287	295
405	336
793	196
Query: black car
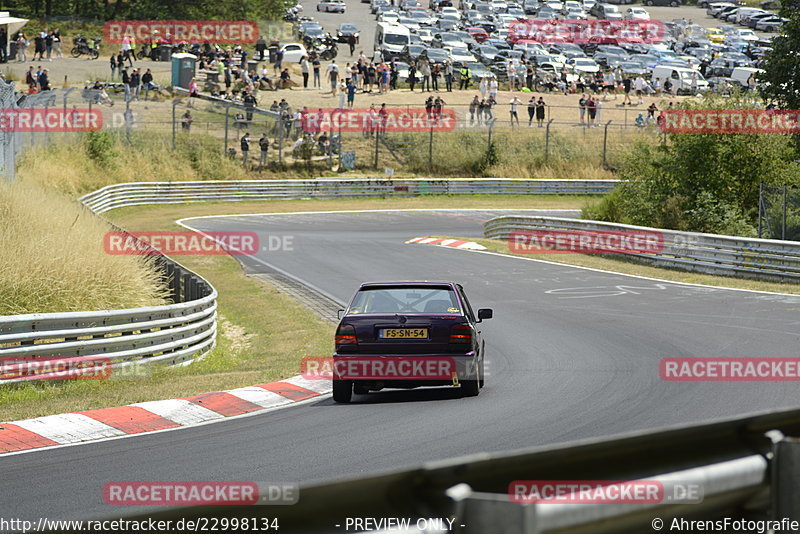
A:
486	54
435	55
408	335
411	52
345	30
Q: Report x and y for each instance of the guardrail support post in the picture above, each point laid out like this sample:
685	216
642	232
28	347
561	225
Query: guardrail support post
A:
547	142
187	283
227	114
605	143
786	479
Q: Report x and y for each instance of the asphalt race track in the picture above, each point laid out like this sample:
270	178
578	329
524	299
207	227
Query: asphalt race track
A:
571	354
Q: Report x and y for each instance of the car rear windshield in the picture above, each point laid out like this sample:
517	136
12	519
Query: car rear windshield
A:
405	300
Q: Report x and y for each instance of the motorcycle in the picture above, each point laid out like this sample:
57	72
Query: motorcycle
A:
83	46
326	49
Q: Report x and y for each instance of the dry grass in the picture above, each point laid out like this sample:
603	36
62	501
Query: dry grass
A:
53	258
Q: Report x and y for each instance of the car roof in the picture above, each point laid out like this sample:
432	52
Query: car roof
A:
407	283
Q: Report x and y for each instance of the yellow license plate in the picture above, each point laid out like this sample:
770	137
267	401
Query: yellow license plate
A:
404	333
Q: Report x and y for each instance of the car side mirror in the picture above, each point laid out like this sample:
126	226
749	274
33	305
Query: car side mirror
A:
485	313
340	314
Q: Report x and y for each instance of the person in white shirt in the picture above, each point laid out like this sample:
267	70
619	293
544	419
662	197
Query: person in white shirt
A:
638	85
493	88
305	68
515	102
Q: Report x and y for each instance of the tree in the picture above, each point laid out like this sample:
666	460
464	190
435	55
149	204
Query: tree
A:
781	80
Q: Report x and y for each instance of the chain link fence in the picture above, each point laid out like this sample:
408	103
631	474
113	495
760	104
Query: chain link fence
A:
779	212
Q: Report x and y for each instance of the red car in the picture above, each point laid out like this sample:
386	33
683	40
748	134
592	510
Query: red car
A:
479	34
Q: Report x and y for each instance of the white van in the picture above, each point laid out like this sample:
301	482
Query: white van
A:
391	38
741	75
681	78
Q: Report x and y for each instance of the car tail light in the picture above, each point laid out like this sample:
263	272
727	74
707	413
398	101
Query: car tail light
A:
460	333
346	335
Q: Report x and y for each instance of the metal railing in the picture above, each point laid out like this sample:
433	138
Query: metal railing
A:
133	194
741	468
764	259
53	346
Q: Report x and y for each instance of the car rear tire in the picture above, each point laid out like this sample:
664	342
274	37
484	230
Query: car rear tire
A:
342	391
471	387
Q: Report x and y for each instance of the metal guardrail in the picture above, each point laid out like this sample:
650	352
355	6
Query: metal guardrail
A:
133	194
763	259
50	346
744	467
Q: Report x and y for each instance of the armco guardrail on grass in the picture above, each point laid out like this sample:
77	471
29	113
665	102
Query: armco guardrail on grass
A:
763	259
55	346
133	194
743	467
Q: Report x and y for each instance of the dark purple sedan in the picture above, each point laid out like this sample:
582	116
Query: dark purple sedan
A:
407	335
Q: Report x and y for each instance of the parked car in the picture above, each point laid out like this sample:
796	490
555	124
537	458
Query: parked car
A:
636	13
331	6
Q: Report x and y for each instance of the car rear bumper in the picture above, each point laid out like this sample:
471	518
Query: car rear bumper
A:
405	370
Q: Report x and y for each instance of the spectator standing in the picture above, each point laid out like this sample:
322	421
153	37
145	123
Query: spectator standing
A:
425	72
147	83
315	64
484	87
582	109
250	102
136	79
448	76
487	110
48	45
465	77
304	69
113	63
435	73
342	94
540	111
591	109
261	47
278	65
244	144
126	83
493	86
22	47
412	75
473	108
351	93
333	76
263	143
3	46
531	110
515	102
627	86
481	111
57	42
351	43
38	45
638	85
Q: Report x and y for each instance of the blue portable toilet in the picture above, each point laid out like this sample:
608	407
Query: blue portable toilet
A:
183	69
